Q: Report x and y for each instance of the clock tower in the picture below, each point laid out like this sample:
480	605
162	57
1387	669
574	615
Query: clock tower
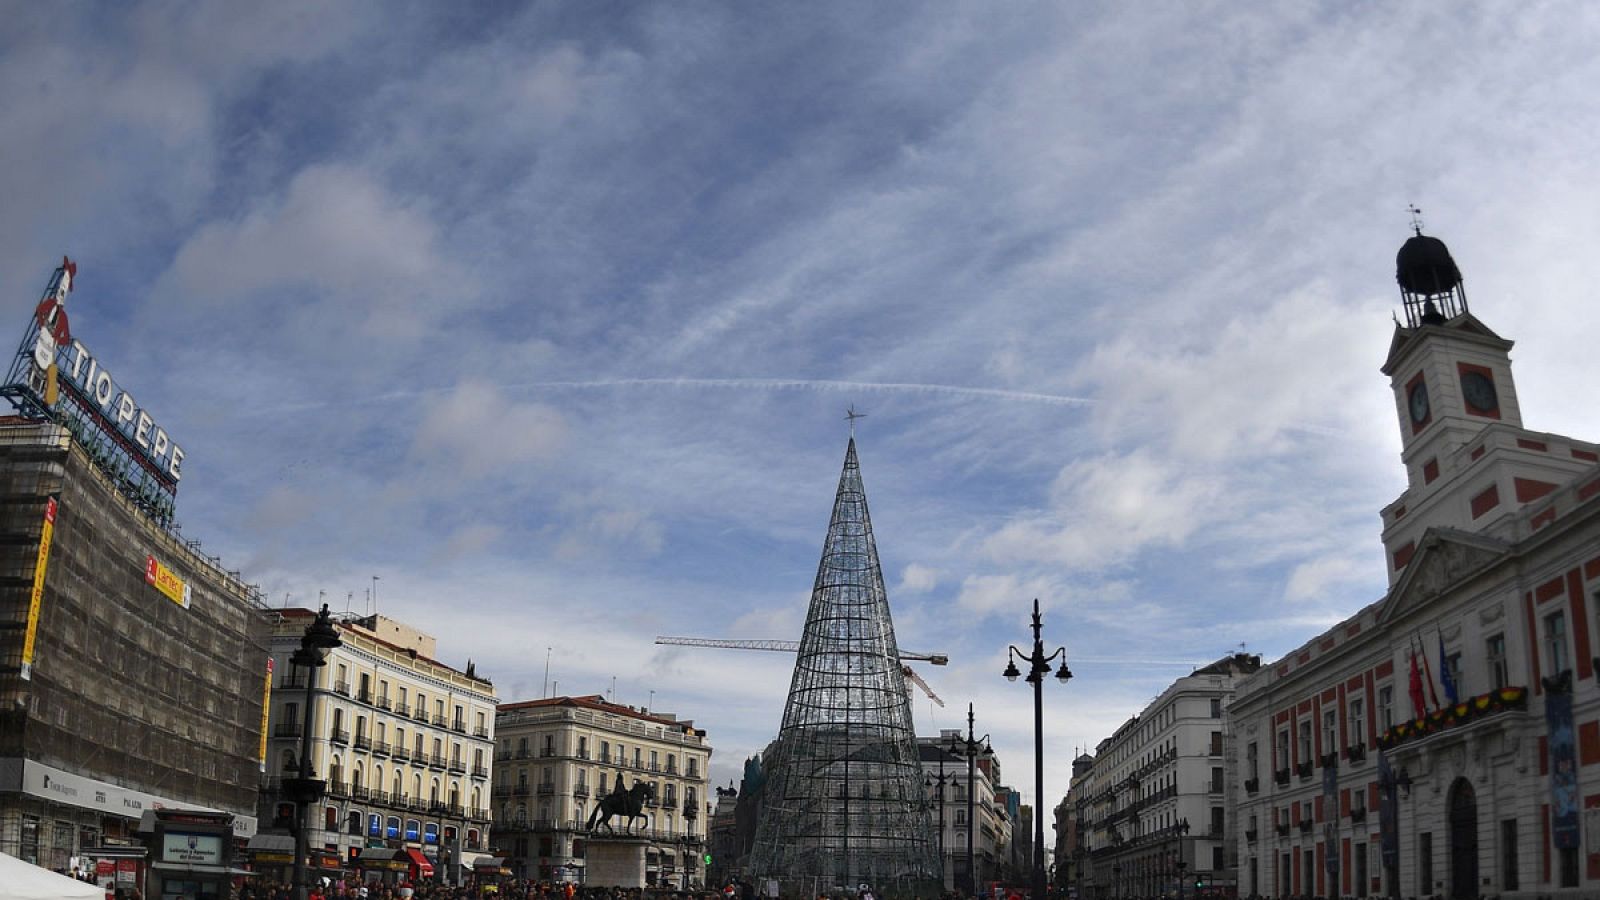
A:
1469	461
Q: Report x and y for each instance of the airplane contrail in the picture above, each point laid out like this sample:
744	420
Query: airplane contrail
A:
769	384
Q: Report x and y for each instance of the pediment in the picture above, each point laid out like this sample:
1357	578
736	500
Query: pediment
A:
1465	325
1444	558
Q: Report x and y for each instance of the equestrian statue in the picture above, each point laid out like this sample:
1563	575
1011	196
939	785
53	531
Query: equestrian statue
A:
625	804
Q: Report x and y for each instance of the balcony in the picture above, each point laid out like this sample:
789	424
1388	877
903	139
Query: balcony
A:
480	772
458	726
295	682
691	811
1358	752
364	695
1304	769
1251	835
420	714
583	752
380	748
357	792
1282	828
1252	785
1306	825
581	790
547	787
339	736
481	731
478	814
337	788
605	759
1329	760
439	721
437	762
1358	814
363	742
457	766
383	704
286	729
402	709
521	790
1281	777
400	753
341	688
546	752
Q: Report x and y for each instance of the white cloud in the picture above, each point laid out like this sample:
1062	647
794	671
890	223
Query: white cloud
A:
476	431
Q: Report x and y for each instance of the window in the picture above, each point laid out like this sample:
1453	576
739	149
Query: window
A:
1216	707
1250	754
1555	642
1358	721
605	751
1508	853
1305	740
1385	707
1216	743
1453	664
1283	749
1425	863
1330	731
1495	654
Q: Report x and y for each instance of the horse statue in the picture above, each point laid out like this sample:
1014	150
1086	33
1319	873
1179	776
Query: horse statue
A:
628	805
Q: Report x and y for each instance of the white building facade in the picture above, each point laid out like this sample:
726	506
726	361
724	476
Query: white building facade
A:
405	743
1155	799
1444	739
559	756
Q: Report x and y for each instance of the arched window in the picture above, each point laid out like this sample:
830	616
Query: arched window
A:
433	792
330	818
398	782
353	821
355	778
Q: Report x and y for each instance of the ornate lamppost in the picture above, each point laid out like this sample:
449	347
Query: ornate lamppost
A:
1178	831
971	747
305	789
939	783
1038	667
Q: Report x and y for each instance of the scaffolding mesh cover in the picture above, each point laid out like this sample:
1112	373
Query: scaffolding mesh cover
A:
844	803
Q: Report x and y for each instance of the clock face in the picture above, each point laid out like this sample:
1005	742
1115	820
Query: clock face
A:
1418	400
1478	389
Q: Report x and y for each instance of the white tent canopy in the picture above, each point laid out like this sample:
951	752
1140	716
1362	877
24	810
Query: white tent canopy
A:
25	881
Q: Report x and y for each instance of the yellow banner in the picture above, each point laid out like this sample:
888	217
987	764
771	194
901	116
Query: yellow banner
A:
166	581
266	706
45	535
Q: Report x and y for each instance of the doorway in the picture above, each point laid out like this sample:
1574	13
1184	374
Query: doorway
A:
1463	820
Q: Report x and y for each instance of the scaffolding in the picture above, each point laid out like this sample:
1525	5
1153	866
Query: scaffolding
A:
844	803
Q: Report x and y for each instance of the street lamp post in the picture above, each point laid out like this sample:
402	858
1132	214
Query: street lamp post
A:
1038	667
1116	881
1180	829
940	795
971	747
305	790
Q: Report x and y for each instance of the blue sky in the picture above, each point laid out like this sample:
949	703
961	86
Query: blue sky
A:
549	314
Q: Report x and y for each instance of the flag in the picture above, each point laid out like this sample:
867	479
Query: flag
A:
1427	667
1419	704
1446	677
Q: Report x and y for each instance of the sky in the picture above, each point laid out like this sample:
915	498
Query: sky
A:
543	318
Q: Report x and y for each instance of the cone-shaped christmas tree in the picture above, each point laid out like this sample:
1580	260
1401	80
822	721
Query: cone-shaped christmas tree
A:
844	802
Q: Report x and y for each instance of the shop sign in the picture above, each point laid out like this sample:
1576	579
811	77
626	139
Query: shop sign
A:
46	534
61	786
118	409
166	581
203	849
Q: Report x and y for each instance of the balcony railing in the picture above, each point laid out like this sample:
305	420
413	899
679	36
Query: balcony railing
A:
480	771
1359	814
691	810
1306	825
286	729
440	721
364	695
1303	769
1329	760
546	752
341	688
420	714
337	788
547	787
363	742
457	765
480	731
459	725
400	753
1214	787
1251	785
339	736
580	790
402	709
380	748
1251	835
1358	752
383	703
1280	777
521	790
1282	828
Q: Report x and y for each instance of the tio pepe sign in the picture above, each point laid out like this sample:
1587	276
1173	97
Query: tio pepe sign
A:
118	406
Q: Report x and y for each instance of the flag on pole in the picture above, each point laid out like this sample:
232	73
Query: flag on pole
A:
1446	677
1427	668
1419	704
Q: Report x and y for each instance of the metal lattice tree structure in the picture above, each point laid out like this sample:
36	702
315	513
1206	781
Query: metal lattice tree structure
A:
844	802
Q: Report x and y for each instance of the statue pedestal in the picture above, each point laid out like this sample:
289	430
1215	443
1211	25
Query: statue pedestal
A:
616	862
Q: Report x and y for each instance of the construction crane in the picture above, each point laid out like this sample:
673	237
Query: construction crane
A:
937	659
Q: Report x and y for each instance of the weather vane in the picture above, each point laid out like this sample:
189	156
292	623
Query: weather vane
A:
1416	218
852	415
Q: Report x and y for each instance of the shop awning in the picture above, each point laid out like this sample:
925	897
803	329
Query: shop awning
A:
198	869
424	868
272	843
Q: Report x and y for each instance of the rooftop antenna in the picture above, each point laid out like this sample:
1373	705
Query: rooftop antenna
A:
547	670
285	599
651	703
1416	218
612	695
374	610
349	598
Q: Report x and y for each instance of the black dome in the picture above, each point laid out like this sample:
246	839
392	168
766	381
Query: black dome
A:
1424	266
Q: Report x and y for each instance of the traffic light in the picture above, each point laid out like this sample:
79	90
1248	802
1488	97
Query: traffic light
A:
708	859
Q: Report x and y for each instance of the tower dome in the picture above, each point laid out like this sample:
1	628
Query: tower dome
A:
1430	283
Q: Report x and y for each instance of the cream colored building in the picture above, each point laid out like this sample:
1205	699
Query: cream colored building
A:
952	811
559	756
405	742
